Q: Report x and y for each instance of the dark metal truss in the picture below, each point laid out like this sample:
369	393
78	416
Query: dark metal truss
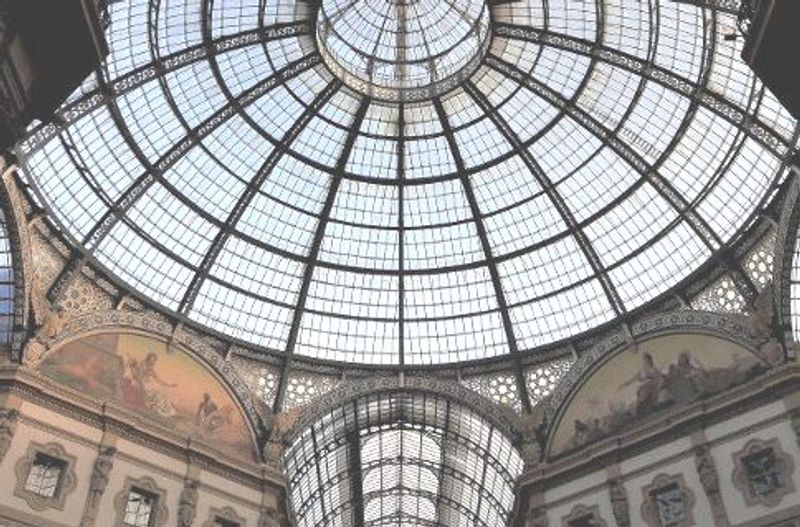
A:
155	171
316	244
160	67
555	197
491	264
344	431
725	6
739	117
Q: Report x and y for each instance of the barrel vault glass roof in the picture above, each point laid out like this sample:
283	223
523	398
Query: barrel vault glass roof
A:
596	154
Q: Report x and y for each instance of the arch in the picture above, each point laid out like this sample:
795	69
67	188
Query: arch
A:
402	454
15	230
786	238
502	418
105	354
675	349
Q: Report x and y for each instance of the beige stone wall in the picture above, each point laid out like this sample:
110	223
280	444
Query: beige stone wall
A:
582	479
247	489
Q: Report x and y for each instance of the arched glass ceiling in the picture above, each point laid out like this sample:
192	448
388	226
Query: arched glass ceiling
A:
6	284
600	153
402	459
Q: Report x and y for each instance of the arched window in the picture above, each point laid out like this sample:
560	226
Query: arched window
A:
402	458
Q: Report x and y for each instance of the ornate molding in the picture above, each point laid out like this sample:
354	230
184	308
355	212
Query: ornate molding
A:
784	466
648	509
66	483
160	512
581	512
709	479
98	484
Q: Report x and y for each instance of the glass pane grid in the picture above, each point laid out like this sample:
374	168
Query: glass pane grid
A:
405	234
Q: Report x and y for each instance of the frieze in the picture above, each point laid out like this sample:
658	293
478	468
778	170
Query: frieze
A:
153	324
677	321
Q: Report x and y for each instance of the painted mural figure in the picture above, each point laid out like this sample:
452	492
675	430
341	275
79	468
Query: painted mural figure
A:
138	373
210	417
651	381
656	382
146	379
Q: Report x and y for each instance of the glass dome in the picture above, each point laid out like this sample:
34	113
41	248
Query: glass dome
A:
595	155
401	50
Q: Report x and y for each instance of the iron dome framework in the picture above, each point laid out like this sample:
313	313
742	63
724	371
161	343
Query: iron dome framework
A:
402	458
596	156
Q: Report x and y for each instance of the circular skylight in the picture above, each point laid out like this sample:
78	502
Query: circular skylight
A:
597	155
402	49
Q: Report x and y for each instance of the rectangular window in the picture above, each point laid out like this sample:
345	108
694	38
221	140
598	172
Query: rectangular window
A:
140	507
763	474
222	522
670	507
45	475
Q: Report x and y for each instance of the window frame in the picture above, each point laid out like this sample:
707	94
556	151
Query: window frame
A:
742	479
582	512
147	485
662	483
227	514
67	480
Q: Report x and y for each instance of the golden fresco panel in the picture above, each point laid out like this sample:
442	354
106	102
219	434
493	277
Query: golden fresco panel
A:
140	374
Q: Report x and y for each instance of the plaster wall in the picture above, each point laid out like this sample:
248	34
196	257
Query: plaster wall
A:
42	425
677	457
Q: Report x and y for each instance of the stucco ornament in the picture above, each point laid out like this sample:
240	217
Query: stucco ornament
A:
619	503
537	517
37	346
98	484
709	479
759	322
278	426
187	506
772	351
271	517
8	425
530	426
